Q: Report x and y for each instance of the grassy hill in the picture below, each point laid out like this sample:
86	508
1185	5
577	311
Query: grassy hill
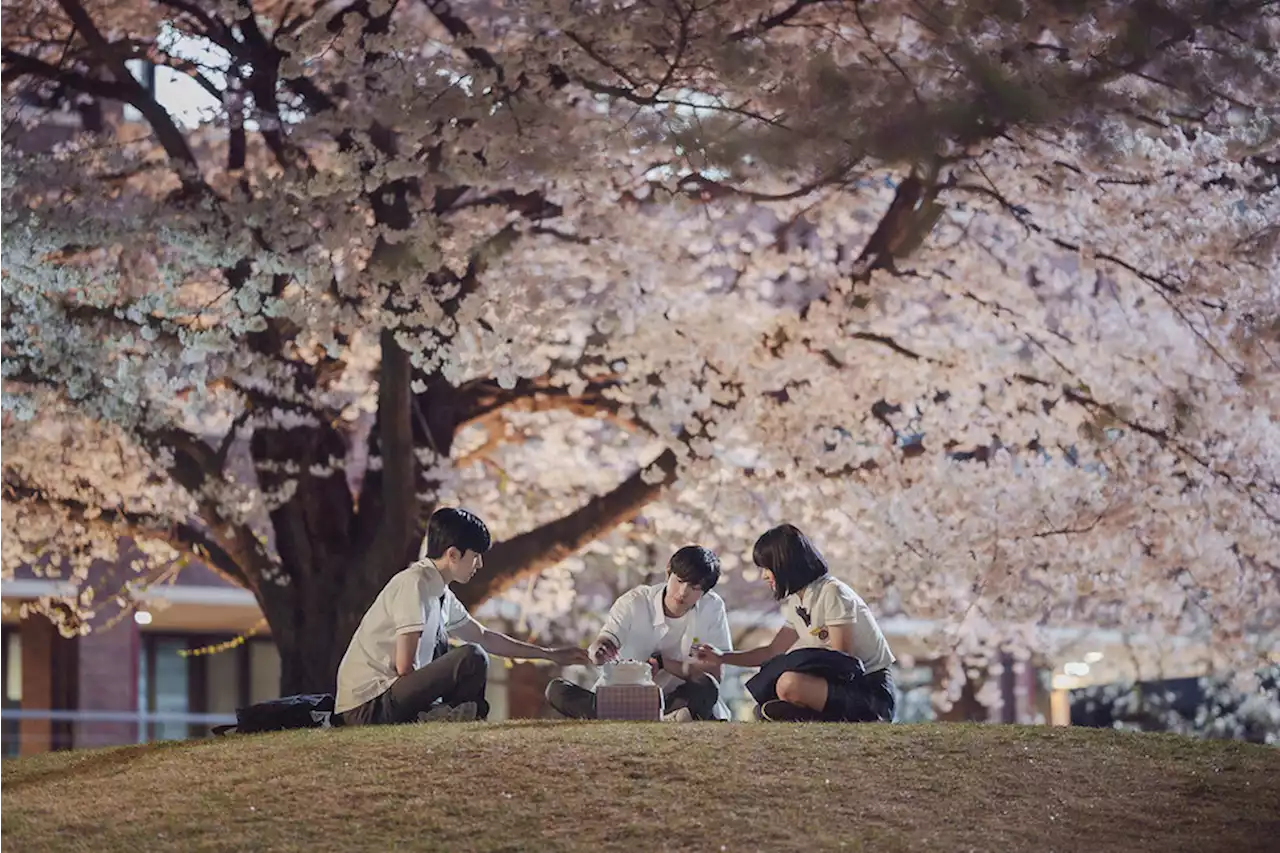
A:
541	786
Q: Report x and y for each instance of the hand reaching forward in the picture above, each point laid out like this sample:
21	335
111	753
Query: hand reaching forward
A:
568	656
606	650
702	653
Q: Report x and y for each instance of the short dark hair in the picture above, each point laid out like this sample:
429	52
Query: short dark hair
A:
452	527
696	565
790	557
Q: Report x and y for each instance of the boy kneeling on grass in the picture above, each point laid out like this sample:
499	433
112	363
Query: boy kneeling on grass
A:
837	666
398	667
661	624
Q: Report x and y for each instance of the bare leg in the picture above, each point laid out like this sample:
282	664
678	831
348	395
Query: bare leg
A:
806	691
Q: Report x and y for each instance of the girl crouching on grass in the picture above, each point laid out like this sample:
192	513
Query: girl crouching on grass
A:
830	661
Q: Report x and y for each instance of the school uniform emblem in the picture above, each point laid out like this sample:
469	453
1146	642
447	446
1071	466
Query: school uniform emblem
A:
821	633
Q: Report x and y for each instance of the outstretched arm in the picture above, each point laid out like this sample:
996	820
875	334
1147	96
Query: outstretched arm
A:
498	643
716	635
781	641
692	667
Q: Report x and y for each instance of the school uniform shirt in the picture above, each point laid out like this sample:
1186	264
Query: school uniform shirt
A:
639	626
828	602
409	602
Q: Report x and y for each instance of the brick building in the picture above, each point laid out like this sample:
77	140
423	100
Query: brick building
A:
130	663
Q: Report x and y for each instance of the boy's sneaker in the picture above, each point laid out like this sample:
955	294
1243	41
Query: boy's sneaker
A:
464	713
439	713
679	715
777	711
442	713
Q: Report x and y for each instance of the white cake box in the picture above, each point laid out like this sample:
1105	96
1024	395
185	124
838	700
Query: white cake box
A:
626	691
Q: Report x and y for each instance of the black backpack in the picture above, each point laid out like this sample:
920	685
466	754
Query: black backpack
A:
308	711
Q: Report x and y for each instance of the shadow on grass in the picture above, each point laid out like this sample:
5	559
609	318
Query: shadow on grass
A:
102	762
106	760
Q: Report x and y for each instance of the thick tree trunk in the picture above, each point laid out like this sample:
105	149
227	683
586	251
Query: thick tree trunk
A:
314	617
334	561
302	619
309	659
967	708
312	622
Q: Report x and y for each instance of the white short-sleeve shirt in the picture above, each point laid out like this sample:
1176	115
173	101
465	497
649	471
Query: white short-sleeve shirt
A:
409	602
829	601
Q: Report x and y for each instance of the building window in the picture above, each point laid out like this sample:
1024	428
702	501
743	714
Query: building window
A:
12	649
264	671
163	678
178	686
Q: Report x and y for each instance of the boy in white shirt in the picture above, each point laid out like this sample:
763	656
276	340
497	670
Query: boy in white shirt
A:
398	667
661	624
830	661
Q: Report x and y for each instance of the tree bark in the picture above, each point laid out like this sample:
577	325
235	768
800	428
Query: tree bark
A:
308	625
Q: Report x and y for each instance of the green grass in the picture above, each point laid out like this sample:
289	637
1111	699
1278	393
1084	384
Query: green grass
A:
542	786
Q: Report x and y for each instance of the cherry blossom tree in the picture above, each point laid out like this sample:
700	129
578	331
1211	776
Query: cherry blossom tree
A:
982	295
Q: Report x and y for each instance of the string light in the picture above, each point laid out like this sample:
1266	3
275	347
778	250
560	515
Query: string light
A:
223	646
236	642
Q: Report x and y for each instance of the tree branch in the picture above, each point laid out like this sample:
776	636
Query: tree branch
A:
486	397
193	465
1160	285
778	19
22	64
214	29
530	205
530	553
167	133
486	402
184	537
459	29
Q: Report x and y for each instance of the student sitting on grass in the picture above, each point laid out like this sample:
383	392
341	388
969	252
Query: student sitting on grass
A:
398	667
837	668
660	624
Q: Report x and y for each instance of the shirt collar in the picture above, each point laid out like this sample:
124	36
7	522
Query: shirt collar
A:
809	591
427	567
655	604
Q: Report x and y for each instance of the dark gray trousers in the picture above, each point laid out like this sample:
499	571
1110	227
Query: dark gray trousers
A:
457	676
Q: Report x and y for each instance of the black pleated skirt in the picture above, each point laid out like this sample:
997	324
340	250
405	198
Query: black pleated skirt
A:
853	694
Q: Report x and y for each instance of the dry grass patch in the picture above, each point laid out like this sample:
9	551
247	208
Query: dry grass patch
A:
645	787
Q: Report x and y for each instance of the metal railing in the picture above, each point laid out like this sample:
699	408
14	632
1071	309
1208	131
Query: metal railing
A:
140	717
85	729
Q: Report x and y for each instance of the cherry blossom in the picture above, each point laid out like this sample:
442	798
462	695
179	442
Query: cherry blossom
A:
984	299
